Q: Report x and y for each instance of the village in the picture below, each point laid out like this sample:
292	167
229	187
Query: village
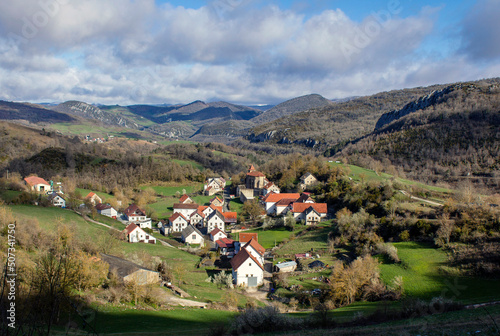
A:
212	226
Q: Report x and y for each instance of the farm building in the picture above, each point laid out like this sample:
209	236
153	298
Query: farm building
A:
128	271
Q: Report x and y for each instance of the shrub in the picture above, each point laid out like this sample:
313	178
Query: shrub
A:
388	250
267	319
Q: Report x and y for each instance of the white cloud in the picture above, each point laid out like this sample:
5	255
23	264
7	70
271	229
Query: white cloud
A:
125	51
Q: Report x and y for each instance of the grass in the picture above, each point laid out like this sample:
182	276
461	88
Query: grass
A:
194	164
85	192
315	239
358	173
236	204
420	268
172	190
268	238
9	195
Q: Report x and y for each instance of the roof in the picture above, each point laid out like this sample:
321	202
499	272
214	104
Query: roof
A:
230	217
186	206
225	242
217	208
241	257
304	197
34	180
216	198
274	198
132	208
91	194
306	175
101	206
257	247
269	185
198	212
121	266
130	228
54	195
190	230
216	213
285	202
321	208
183	198
245	237
177	215
251	168
256	174
286	264
215	231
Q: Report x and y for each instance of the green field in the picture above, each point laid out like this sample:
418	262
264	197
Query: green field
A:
358	173
423	277
189	163
102	195
172	190
269	238
9	195
235	205
316	239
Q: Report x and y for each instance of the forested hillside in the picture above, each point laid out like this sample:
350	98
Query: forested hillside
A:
454	138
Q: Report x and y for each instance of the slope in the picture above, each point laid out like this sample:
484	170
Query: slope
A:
31	113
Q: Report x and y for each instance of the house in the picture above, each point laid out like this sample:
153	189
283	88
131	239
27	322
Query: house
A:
247	270
197	218
230	218
225	246
216	201
283	205
256	250
38	184
57	200
214	185
311	213
284	267
128	271
215	220
137	235
272	198
307	180
93	198
106	210
208	210
177	222
270	187
305	198
217	234
245	237
192	235
185	199
136	215
245	194
185	209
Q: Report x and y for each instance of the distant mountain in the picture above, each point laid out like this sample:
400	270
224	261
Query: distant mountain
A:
31	113
88	111
450	134
292	106
335	123
262	107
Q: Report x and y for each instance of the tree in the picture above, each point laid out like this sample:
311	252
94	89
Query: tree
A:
252	210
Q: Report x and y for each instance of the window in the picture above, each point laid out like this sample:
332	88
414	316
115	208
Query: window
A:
193	237
249	264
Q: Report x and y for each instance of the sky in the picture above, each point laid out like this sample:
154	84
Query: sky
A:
239	51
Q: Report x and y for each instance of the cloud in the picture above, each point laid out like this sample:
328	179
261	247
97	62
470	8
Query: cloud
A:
125	51
481	31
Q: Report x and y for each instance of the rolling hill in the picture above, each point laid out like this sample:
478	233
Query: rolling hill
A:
31	113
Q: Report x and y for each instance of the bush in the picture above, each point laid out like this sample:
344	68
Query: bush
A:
267	319
388	250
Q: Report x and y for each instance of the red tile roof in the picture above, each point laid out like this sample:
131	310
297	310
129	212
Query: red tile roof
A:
132	209
274	198
218	208
230	217
175	216
241	257
101	206
304	197
285	201
225	242
185	206
257	247
216	199
245	237
131	227
198	212
301	207
34	180
215	231
183	198
256	174
252	168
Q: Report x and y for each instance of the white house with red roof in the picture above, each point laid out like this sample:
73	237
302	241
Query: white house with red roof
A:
197	218
185	199
225	246
134	214
38	184
215	220
177	222
311	213
270	187
106	210
247	270
255	249
192	235
217	234
93	198
214	185
216	201
185	209
137	235
272	199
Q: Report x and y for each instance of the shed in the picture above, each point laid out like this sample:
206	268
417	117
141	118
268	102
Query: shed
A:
287	266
